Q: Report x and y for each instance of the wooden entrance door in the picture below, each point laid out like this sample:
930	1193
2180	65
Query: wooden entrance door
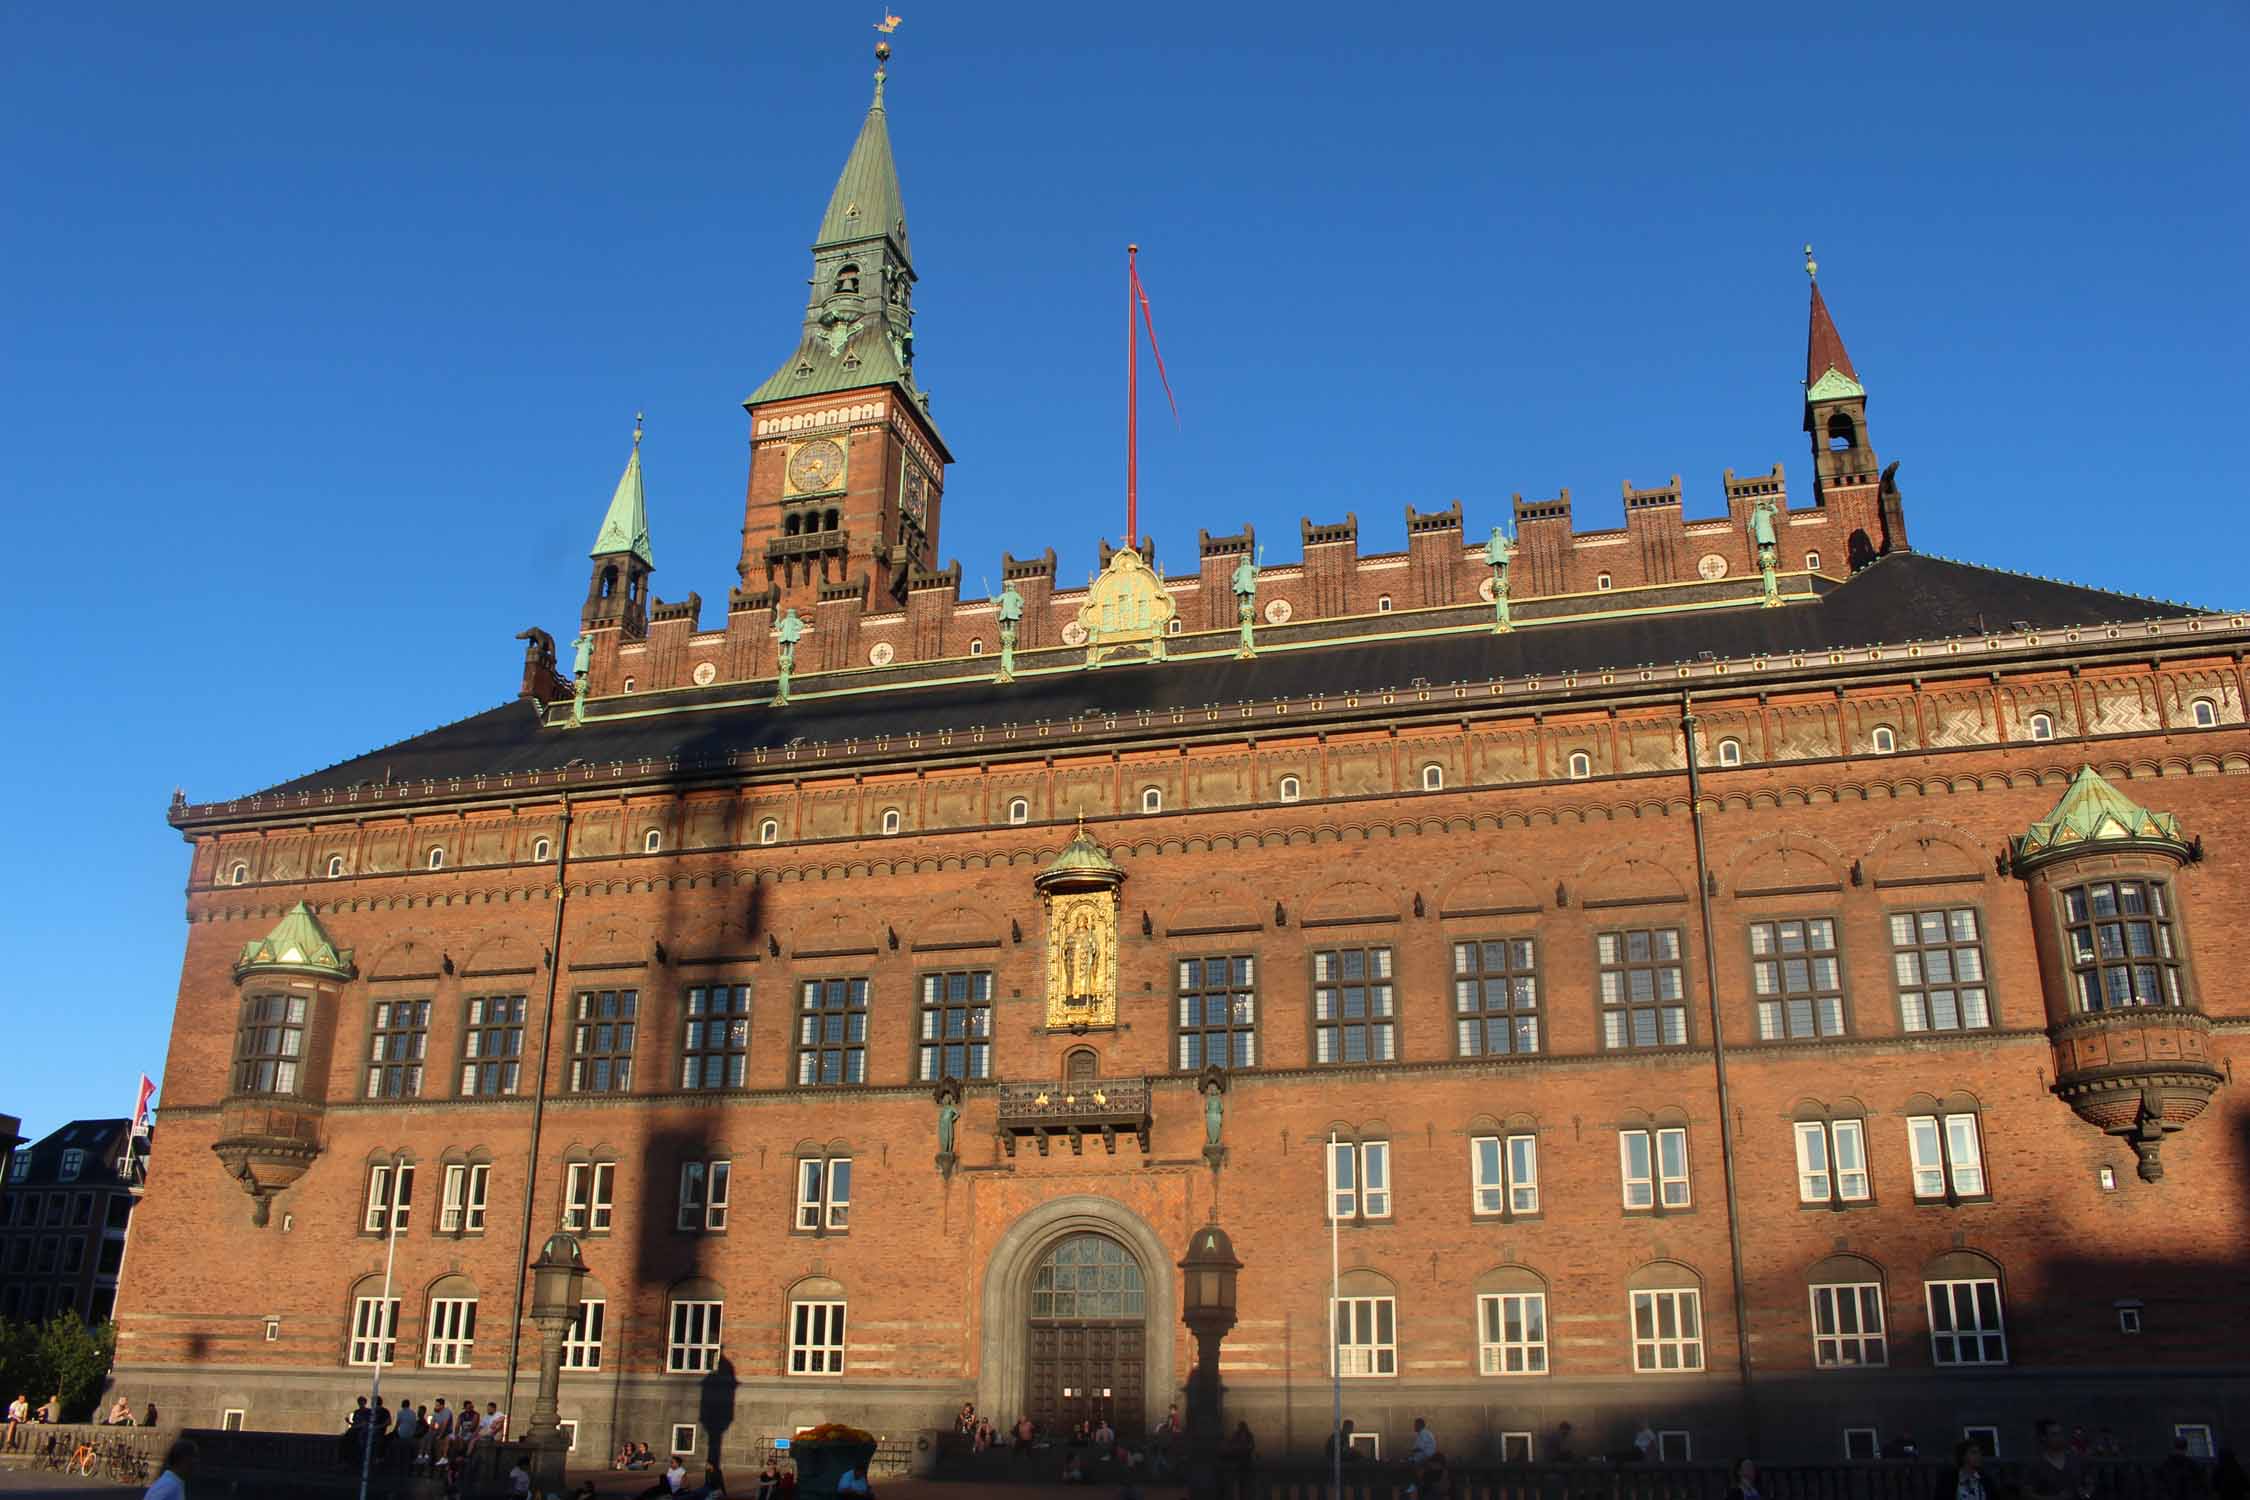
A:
1087	1338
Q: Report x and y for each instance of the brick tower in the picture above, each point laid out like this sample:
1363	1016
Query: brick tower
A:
846	466
617	593
1845	474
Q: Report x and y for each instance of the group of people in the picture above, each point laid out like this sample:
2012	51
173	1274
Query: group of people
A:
1093	1447
437	1436
20	1416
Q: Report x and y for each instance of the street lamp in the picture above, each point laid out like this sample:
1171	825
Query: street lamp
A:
556	1279
1208	1310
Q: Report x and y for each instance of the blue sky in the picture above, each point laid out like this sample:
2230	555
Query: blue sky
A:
325	331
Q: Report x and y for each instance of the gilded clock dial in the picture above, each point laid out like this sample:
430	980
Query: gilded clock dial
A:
915	496
818	465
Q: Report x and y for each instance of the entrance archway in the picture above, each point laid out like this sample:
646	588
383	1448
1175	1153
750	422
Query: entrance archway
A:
1086	1336
1007	1317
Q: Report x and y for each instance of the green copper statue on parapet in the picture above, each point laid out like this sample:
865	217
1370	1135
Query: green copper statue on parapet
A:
1246	603
790	631
1498	553
1011	613
582	659
1762	537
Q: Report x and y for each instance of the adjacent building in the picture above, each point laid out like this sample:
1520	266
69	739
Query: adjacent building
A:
1727	972
65	1212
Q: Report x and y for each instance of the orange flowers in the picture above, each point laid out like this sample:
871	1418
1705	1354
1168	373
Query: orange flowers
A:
832	1432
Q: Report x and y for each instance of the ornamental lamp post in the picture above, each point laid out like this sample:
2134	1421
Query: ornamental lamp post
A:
1208	1309
557	1277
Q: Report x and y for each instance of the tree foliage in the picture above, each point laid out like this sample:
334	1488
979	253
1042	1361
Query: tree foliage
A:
60	1356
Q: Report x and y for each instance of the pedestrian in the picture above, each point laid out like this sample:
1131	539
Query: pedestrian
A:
1644	1441
1745	1486
2229	1481
855	1482
966	1422
2179	1477
668	1483
407	1428
51	1412
2055	1472
769	1479
1964	1478
1239	1456
1559	1450
1340	1439
19	1413
171	1480
1024	1430
495	1426
120	1413
1424	1446
1436	1482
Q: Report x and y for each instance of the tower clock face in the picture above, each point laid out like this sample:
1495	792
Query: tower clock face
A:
817	465
914	496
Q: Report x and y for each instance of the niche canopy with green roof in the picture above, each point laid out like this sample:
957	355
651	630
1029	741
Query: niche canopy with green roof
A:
2094	812
1081	863
295	946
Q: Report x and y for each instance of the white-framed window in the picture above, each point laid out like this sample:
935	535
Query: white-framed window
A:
386	1197
1847	1321
1862	1445
692	1347
769	831
683	1439
1517	1447
73	1163
1986	1438
1832	1161
1965	1322
335	866
541	850
891	821
452	1334
239	875
466	1184
1433	777
1581	765
2128	1317
1812	562
230	1420
816	1338
1668	1329
1368	1445
2203	711
824	1193
1654	1165
1730	752
1366	1335
1512	1333
1505	1174
1885	739
589	1189
582	1342
1019	810
374	1331
1291	789
652	841
703	1194
628	684
273	1330
569	1426
976	647
437	858
2042	726
1359	1179
2197	1436
1945	1149
1603	581
1152	799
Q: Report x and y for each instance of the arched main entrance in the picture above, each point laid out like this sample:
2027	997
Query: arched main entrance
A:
1086	1336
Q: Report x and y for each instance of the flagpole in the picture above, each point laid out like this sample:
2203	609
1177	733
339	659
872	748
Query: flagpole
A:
1335	1310
1132	400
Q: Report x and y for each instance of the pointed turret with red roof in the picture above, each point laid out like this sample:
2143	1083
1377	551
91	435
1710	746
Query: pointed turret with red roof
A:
1845	469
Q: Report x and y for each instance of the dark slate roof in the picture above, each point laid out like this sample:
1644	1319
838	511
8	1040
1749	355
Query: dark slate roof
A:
103	1141
1900	598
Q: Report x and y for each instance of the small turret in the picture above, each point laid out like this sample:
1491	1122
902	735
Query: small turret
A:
617	594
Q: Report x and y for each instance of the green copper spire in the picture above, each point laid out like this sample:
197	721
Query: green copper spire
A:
2094	811
625	528
867	202
296	945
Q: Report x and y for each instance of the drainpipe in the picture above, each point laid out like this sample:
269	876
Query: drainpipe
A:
538	1108
1719	1074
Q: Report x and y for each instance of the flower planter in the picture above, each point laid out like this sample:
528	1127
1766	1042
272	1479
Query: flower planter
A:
821	1464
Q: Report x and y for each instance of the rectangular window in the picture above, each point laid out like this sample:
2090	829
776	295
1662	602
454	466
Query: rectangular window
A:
1506	1174
683	1438
1848	1326
1965	1323
1946	1149
693	1347
111	1256
816	1338
82	1210
1654	1166
230	1420
1366	1331
2197	1436
1668	1330
582	1344
956	1037
1352	1006
374	1331
1798	979
716	1045
1673	1446
2117	935
703	1194
824	1193
1218	1012
1986	1438
1359	1179
1512	1333
73	1255
453	1332
400	1038
588	1187
465	1188
384	1196
1861	1444
1937	958
1495	997
601	1041
49	1249
832	1032
1643	989
1832	1161
58	1204
492	1047
1515	1447
267	1048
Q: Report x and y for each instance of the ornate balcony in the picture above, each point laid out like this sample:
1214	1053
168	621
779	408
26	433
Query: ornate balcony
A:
1103	1107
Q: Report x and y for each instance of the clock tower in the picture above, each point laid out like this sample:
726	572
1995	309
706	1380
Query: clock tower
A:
846	465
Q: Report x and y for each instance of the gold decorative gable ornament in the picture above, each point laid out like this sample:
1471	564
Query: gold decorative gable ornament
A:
1128	611
1081	892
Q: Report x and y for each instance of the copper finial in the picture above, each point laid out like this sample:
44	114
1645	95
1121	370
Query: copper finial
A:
638	418
1812	267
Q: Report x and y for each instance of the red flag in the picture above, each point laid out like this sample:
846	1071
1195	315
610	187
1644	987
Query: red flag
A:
140	1105
1149	323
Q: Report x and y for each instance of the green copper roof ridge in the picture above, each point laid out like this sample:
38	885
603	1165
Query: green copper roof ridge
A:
297	942
2092	810
625	525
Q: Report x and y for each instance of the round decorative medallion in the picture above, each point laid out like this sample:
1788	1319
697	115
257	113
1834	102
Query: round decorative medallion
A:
1074	634
1484	591
1278	612
705	674
880	654
1711	565
817	465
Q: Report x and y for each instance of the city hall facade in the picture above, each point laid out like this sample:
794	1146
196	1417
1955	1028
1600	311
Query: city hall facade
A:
1735	974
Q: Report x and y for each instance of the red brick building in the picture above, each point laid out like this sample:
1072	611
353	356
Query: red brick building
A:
1761	981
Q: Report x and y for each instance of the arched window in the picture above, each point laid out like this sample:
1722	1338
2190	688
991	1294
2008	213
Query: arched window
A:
828	521
1088	1277
976	647
335	866
1364	1325
1664	1300
1291	789
1383	605
1581	765
652	841
1812	562
437	858
1433	777
1842	435
609	582
1152	799
540	850
1967	1326
1730	752
1885	739
790	526
628	684
694	1314
2204	712
2042	726
1511	1322
1601	581
847	278
239	875
1081	1065
891	820
1019	810
816	1327
768	831
450	1328
1847	1314
1172	626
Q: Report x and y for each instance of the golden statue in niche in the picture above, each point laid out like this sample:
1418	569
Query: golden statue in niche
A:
1080	889
1127	612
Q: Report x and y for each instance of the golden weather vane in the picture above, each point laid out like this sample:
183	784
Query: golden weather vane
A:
888	24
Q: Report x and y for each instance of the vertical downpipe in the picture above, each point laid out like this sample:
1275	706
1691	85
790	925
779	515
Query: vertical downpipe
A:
538	1111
